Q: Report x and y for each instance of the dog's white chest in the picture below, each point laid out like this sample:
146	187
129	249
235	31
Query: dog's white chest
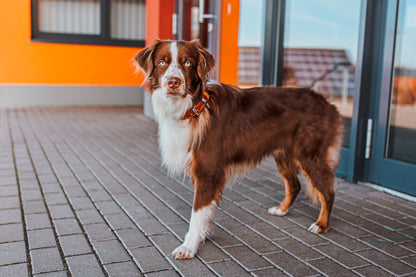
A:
174	145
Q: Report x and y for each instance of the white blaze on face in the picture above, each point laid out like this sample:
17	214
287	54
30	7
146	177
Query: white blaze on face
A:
173	69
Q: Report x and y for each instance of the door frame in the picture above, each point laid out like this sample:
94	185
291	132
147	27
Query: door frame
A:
391	173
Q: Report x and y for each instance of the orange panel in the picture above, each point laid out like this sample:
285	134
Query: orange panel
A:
159	19
228	63
26	62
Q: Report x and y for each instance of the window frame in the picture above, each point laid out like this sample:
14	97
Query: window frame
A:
103	38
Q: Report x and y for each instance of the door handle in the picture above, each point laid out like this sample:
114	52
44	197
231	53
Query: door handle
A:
202	15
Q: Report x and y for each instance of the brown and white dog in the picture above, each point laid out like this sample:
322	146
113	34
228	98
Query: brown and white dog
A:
212	131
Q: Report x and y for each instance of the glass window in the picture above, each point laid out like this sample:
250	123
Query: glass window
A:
69	17
250	30
320	50
128	19
402	127
114	22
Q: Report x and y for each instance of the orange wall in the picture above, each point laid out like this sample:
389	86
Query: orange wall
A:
228	64
159	19
26	62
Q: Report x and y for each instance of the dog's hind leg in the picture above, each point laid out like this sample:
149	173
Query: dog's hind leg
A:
321	177
289	172
206	195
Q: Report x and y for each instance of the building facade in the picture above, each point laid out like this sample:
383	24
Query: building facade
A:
358	53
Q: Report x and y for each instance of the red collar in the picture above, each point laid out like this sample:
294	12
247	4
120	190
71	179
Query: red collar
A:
198	108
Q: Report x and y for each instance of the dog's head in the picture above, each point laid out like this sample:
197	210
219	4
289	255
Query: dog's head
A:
179	68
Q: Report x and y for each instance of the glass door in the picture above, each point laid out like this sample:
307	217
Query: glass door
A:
321	50
198	19
393	155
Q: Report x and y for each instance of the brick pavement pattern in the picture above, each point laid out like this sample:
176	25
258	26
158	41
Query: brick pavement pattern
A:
82	193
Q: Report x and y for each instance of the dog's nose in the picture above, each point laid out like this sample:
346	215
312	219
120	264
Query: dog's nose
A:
173	82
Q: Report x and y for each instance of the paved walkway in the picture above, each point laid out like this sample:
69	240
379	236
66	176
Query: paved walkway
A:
82	194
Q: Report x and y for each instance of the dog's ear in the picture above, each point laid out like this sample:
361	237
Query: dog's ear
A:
144	58
206	61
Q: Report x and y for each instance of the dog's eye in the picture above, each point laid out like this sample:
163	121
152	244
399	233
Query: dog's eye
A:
162	62
187	64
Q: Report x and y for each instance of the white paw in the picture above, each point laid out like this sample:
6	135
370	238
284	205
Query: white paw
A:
314	228
276	211
183	252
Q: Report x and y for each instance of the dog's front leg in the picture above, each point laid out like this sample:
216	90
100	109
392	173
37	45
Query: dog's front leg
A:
198	231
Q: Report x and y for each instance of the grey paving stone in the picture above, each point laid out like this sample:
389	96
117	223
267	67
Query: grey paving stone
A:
291	265
67	226
390	248
344	257
385	232
298	249
331	268
46	260
99	232
164	273
410	245
229	268
12	252
31	194
9	180
258	243
307	237
14	270
7	191
386	262
89	216
209	253
55	199
150	259
51	188
372	271
11	232
219	236
61	211
84	265
52	274
47	179
75	191
126	269
133	238
189	267
74	245
81	203
111	251
248	258
120	221
410	261
28	184
34	207
364	225
41	238
10	216
347	242
108	207
269	272
152	227
269	231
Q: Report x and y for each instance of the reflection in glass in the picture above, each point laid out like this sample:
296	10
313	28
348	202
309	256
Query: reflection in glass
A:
402	129
320	50
249	41
69	17
128	19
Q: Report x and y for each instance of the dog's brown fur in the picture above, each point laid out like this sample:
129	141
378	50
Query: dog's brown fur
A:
297	126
